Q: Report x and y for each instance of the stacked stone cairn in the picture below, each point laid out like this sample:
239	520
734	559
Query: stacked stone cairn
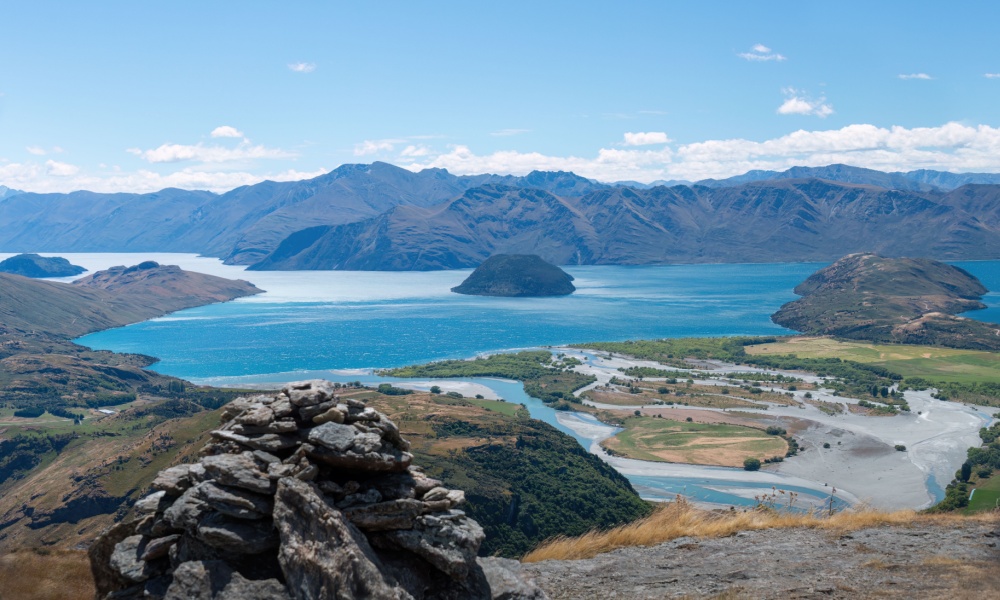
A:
301	496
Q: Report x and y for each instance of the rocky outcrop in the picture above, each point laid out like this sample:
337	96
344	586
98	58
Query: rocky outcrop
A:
301	495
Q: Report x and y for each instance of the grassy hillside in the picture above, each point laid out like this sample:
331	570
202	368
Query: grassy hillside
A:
895	300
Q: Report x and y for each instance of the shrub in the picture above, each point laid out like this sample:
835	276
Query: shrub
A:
900	448
826	444
775	430
751	464
435	389
690	420
807	395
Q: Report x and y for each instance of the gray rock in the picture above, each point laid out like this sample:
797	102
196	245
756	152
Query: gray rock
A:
282	407
273	427
153	503
306	413
256	416
187	511
238	470
308	393
106	578
269	442
215	580
127	560
174	480
384	516
369	496
236	408
159	547
236	536
507	581
334	436
448	541
332	415
321	554
233	502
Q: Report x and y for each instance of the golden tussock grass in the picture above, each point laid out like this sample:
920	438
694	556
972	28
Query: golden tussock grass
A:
45	575
681	519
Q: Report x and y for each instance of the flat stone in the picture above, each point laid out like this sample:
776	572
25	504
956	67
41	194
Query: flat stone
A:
241	537
174	480
365	414
308	412
269	442
281	407
332	415
334	436
438	493
369	496
186	512
153	503
383	516
373	461
234	502
507	581
256	416
238	470
308	393
274	427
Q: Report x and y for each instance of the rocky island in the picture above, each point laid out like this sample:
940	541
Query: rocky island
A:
896	300
35	266
517	275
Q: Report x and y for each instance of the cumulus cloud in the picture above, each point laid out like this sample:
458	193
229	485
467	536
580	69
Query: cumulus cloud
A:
414	151
761	53
914	76
949	147
36	150
170	153
60	169
991	75
798	103
225	131
645	138
375	146
302	67
37	178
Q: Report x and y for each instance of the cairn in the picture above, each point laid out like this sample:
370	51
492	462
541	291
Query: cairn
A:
301	496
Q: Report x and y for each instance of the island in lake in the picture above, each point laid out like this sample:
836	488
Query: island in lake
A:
517	275
35	266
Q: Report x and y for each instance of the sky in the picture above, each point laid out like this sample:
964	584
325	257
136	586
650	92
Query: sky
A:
138	96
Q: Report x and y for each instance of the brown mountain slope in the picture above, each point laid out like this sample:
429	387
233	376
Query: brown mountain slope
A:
903	300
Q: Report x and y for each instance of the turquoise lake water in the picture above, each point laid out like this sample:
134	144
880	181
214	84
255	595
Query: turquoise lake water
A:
335	324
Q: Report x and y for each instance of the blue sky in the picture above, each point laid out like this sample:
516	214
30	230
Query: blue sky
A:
137	96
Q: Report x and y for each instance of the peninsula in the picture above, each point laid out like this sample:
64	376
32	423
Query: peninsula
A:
896	300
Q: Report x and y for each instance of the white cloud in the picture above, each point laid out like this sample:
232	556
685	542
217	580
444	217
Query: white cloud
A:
645	138
225	131
914	76
37	151
798	103
761	53
991	75
170	153
60	169
375	146
509	132
949	147
302	67
415	151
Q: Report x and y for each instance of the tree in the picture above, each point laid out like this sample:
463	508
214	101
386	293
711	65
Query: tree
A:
966	471
751	464
435	389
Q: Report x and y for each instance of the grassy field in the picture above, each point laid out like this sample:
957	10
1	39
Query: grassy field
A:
665	440
987	496
928	362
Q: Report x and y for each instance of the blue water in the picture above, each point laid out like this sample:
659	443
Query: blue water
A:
422	321
336	321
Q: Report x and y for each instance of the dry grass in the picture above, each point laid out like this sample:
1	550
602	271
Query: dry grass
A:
45	575
681	519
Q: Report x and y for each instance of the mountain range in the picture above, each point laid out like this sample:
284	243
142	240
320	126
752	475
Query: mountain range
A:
382	217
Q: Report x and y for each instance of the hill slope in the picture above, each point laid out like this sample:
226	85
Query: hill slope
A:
33	265
788	220
904	300
516	275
